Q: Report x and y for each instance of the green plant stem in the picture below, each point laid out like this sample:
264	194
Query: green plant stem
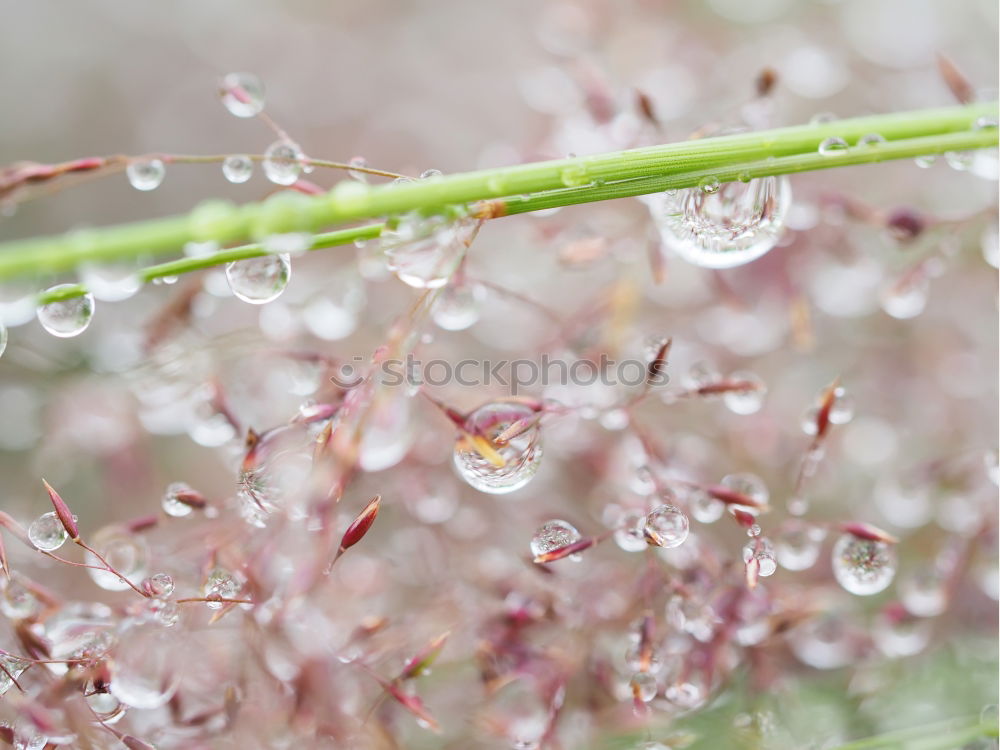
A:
525	187
944	735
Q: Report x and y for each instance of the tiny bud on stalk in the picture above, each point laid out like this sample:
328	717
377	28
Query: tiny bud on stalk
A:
63	513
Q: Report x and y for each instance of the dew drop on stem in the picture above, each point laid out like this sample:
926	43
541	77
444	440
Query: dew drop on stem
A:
237	168
553	535
259	280
47	532
723	225
832	146
863	566
67	317
283	162
145	174
243	94
666	526
507	467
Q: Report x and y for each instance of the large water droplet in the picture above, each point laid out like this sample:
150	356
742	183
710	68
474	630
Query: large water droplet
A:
237	168
666	526
833	146
761	549
960	161
870	139
554	534
508	467
67	317
47	532
259	280
3	338
221	584
732	225
924	592
643	686
283	162
749	397
144	665
905	298
424	251
243	94
863	566
797	546
110	282
630	535
12	668
171	503
456	308
750	485
704	507
125	552
159	585
145	174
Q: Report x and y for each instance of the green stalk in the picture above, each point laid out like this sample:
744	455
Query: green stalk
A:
526	187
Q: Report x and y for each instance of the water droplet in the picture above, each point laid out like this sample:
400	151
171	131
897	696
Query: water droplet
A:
124	551
666	526
520	456
797	546
423	252
750	485
243	94
358	161
18	601
283	162
145	174
67	317
990	246
643	686
629	535
701	374
173	506
47	532
704	507
259	280
287	243
926	161
907	297
12	667
457	307
3	338
144	666
823	118
960	161
159	585
106	707
842	409
761	549
744	176
898	635
430	173
863	566
333	315
870	139
237	168
686	695
553	534
731	225
110	282
221	584
753	530
833	146
709	185
750	397
574	176
924	592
